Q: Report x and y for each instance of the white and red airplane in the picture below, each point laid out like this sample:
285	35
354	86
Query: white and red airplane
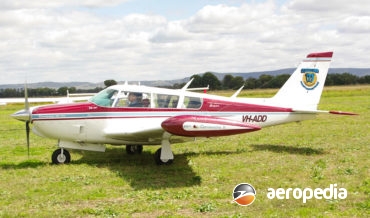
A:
134	115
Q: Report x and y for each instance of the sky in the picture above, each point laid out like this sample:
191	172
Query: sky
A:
96	40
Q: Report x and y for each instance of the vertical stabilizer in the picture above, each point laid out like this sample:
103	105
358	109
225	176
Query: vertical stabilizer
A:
304	87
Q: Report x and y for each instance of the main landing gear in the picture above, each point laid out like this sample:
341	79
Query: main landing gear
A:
167	158
164	155
159	161
134	149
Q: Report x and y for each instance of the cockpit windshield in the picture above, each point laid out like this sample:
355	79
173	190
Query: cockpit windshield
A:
105	98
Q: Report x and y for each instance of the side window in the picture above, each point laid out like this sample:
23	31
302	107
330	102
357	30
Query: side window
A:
166	101
192	102
133	99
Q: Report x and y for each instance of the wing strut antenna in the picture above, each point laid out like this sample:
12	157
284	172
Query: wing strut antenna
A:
237	92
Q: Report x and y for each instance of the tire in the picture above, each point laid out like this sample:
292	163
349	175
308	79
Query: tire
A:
134	149
58	158
157	158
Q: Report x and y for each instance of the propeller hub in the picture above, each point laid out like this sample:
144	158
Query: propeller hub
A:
22	115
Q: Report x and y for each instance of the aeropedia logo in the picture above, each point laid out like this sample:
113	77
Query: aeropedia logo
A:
244	194
332	192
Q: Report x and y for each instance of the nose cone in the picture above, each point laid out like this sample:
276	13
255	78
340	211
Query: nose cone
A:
22	115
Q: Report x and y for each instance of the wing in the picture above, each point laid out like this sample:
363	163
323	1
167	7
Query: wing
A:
183	125
149	134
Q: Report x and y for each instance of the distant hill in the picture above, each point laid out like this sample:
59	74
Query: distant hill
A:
86	85
54	85
355	71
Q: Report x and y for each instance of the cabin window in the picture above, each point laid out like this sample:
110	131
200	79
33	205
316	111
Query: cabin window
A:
165	101
132	99
192	102
114	98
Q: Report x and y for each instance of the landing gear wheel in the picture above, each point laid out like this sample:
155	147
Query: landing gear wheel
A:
134	149
157	158
61	156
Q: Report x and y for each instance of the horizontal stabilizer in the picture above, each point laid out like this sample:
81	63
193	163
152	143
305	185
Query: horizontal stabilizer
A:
323	112
342	113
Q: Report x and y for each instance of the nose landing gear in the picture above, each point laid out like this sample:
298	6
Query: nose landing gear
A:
61	156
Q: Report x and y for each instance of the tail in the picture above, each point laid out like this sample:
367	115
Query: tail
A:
304	87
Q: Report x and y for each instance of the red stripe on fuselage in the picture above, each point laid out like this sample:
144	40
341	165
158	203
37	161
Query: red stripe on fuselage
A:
210	105
232	106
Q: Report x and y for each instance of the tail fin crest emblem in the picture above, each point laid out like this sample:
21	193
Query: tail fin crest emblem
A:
309	78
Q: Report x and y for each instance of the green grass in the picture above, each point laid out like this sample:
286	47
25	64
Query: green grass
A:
316	153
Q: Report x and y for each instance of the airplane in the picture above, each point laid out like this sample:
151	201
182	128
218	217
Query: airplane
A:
135	115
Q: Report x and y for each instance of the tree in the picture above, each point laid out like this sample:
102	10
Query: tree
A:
237	82
278	81
251	83
364	79
110	82
62	90
72	89
197	81
226	81
210	79
264	80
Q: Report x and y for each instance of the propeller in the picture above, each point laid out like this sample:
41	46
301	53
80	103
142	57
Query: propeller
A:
28	137
25	116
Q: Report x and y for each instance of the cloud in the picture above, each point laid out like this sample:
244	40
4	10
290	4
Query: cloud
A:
26	4
59	41
355	24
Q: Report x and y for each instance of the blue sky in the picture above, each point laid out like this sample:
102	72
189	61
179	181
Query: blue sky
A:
172	10
95	40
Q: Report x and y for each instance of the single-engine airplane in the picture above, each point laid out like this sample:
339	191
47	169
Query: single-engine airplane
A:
134	115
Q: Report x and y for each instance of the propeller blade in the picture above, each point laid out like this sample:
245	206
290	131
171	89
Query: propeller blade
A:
28	137
26	104
27	110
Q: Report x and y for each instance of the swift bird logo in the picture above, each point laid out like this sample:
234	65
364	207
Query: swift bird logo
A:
244	194
309	78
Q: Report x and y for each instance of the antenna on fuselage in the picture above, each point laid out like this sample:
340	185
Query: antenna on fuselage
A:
187	85
237	92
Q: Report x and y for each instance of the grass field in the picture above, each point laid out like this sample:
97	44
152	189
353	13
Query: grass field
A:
312	154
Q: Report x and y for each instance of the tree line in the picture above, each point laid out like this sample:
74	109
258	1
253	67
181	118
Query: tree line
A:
228	82
267	81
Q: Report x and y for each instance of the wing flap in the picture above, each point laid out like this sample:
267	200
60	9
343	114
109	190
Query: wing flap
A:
134	135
